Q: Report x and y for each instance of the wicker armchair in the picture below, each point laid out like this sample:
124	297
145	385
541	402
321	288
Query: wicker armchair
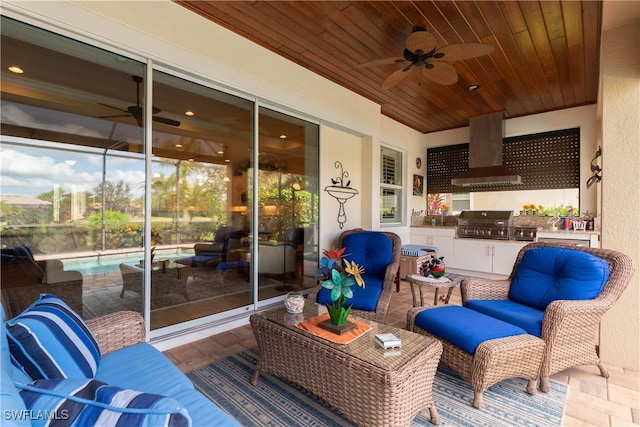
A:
569	327
388	281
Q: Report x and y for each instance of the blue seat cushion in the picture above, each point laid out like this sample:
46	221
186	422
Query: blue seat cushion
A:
152	372
230	265
548	274
463	327
49	340
365	299
528	318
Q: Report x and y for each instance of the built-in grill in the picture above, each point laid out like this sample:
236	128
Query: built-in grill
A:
496	225
485	224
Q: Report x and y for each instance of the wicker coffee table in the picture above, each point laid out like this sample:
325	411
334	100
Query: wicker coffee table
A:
356	378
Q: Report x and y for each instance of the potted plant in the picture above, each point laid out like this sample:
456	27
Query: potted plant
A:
338	276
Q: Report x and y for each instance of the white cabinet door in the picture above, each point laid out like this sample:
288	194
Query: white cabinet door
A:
445	248
486	256
442	238
504	256
473	255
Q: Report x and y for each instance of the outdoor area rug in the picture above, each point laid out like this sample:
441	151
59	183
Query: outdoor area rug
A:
275	402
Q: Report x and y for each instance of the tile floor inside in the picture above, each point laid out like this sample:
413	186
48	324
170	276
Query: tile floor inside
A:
592	401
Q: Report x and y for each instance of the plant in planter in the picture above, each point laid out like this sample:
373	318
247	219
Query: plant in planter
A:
339	279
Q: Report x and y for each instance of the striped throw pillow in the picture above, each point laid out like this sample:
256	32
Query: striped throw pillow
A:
85	402
49	340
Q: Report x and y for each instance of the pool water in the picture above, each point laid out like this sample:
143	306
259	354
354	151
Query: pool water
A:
104	264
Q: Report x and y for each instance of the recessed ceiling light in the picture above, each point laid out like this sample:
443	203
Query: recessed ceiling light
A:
189	113
283	136
16	69
190	160
178	145
471	88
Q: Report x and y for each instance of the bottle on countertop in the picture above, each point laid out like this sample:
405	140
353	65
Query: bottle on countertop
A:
433	221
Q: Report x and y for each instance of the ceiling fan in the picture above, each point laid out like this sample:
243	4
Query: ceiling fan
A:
420	52
135	111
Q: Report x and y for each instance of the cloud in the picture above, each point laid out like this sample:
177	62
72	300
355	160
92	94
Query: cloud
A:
32	171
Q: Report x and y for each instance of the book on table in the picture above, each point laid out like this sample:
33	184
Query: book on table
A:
388	340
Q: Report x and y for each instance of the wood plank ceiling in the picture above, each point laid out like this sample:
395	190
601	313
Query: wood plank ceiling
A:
546	54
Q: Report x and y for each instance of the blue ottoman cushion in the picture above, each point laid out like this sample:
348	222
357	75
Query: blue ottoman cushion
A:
464	328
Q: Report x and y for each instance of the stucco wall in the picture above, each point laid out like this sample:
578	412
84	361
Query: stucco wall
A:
620	105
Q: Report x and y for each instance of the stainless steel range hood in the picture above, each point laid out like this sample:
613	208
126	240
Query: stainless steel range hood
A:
485	154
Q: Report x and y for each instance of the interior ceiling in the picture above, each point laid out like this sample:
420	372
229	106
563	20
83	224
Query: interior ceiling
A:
546	54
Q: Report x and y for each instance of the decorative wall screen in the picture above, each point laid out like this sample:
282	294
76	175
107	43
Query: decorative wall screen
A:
548	160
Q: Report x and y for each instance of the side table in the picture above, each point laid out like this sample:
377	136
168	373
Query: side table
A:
419	281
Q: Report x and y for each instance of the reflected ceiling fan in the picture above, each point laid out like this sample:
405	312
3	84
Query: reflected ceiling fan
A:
136	111
420	52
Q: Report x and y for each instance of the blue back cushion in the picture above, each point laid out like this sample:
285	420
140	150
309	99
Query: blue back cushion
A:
549	274
49	340
464	328
371	250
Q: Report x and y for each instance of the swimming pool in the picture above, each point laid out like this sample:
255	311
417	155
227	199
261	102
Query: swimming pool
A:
103	264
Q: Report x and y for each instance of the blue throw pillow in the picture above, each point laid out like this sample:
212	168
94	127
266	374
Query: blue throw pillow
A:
85	402
49	340
548	274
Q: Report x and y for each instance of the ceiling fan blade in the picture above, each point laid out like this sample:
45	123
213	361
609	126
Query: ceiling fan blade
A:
442	73
113	117
166	121
383	61
111	106
421	40
459	52
395	78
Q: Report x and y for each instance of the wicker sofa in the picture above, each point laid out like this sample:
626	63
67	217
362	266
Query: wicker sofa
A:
558	293
125	362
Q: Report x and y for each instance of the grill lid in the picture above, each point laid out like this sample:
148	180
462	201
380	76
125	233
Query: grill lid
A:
486	215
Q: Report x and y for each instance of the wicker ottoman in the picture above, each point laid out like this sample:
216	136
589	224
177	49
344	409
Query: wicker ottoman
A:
481	349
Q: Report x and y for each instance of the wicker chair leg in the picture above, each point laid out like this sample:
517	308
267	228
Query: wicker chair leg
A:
531	387
544	384
603	369
435	418
477	399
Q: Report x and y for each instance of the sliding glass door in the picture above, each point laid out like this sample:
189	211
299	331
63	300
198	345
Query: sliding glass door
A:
181	232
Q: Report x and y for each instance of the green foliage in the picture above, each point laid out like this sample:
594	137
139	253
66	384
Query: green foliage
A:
109	217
